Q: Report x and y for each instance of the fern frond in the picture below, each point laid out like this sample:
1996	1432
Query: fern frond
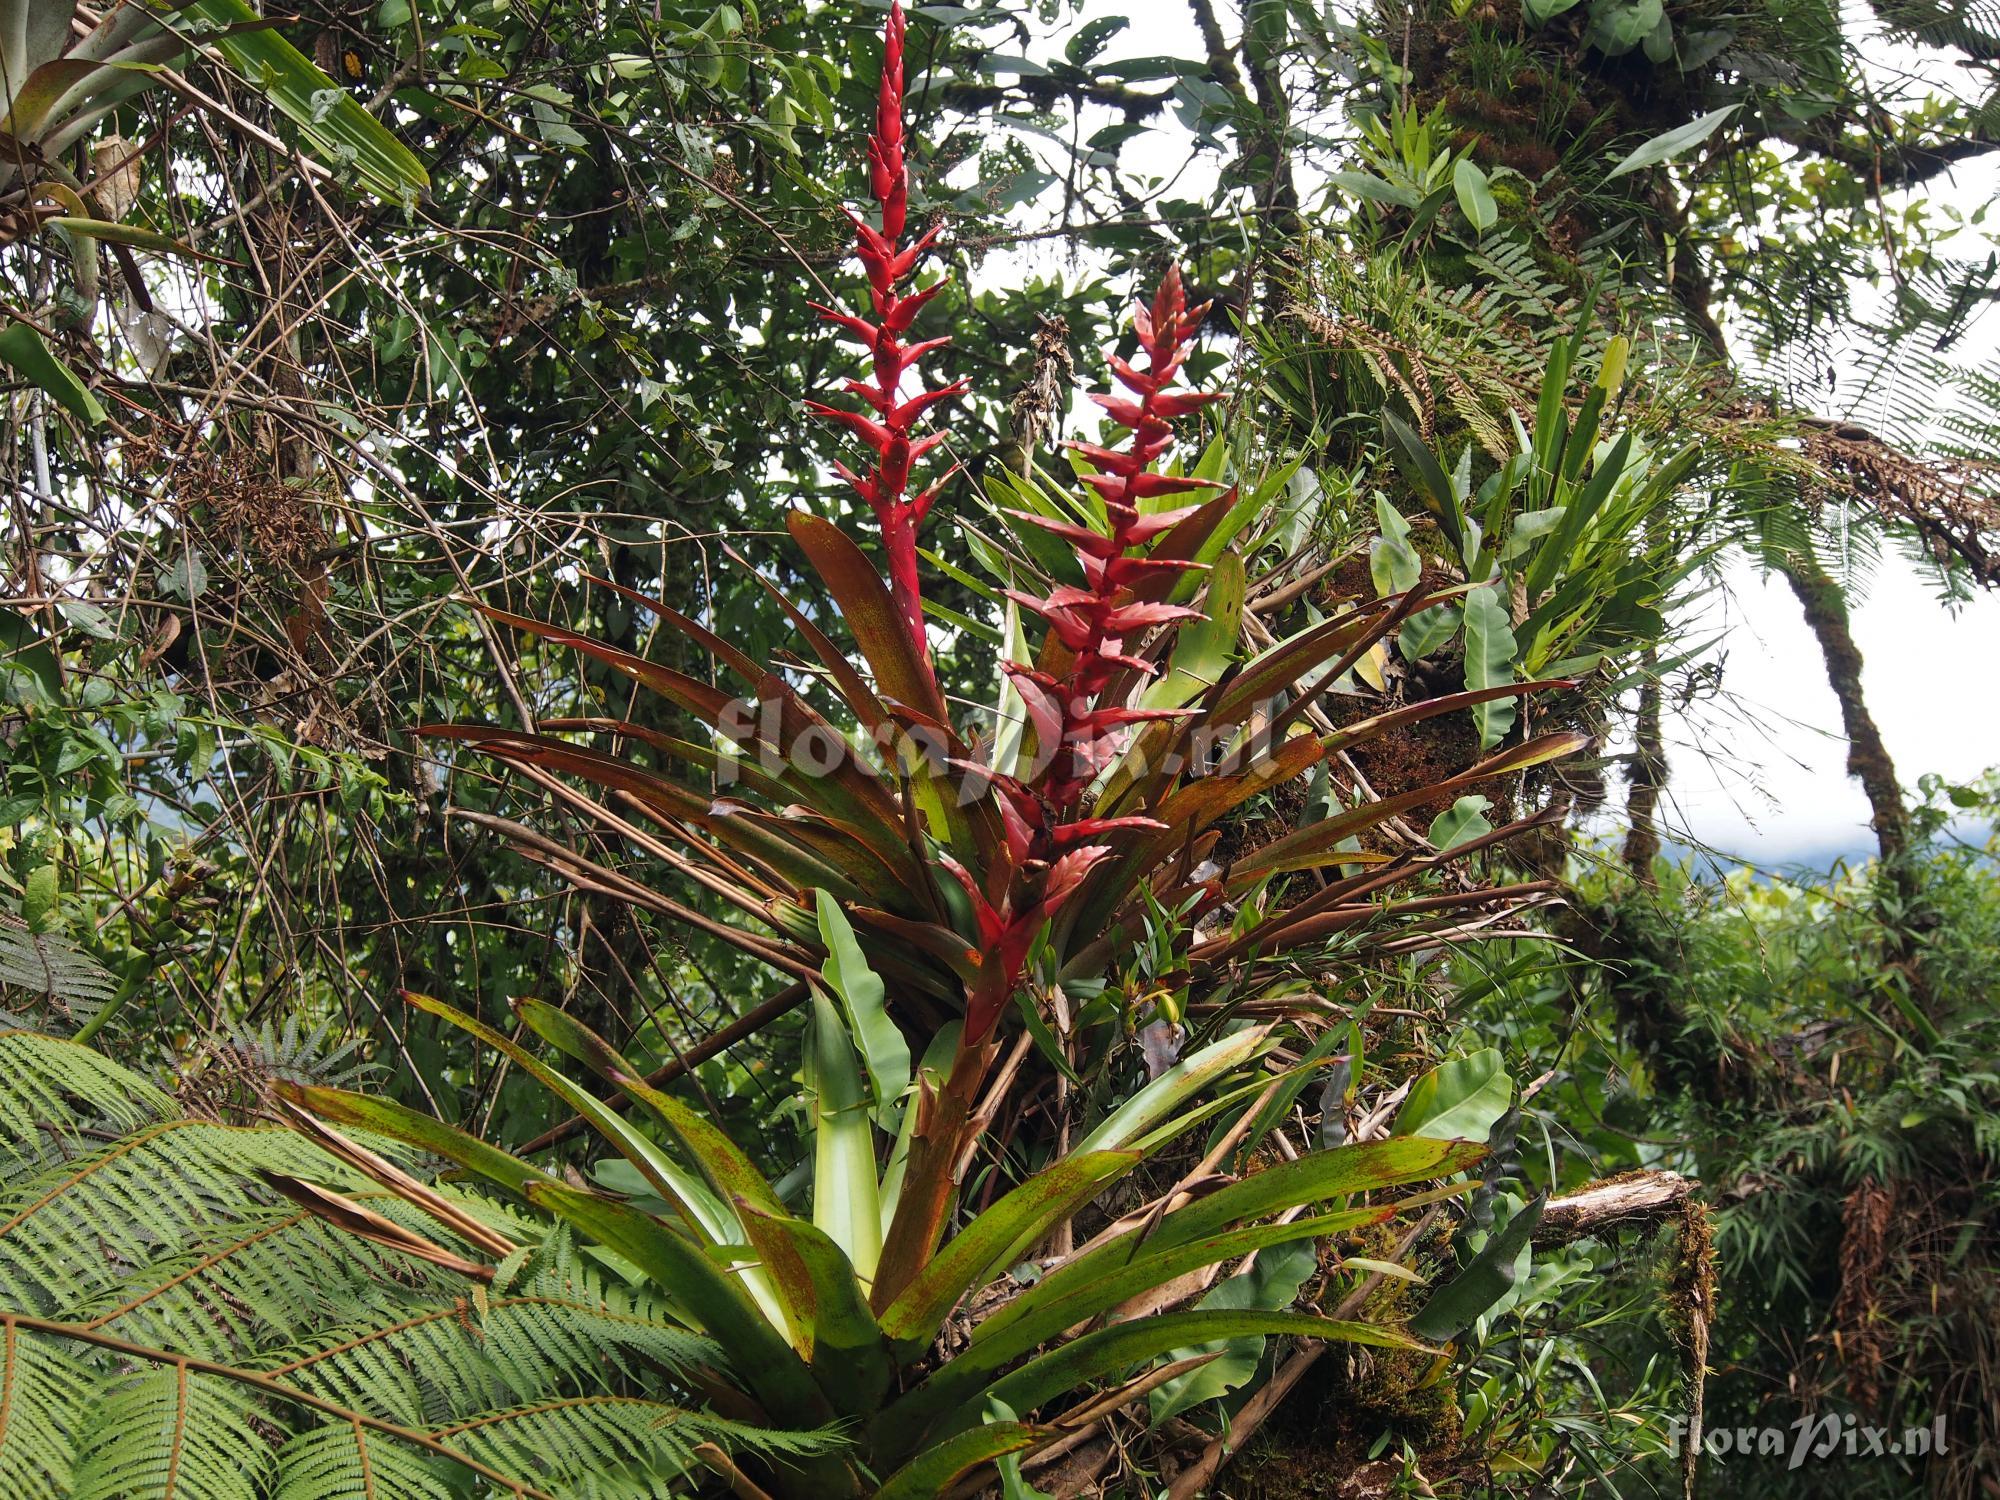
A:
172	1432
56	1092
170	1326
63	984
45	1389
353	1463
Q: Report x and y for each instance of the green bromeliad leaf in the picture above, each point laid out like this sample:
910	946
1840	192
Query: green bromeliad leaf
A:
859	990
846	1192
1272	1283
937	1470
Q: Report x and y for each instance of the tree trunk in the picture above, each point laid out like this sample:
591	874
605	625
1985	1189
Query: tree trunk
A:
1868	761
1867	757
1647	775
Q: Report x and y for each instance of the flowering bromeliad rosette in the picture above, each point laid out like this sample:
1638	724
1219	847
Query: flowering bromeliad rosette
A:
957	885
1079	726
921	901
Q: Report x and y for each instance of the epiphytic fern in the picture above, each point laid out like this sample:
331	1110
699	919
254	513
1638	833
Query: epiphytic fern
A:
172	1324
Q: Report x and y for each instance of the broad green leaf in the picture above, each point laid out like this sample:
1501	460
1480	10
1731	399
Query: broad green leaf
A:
1489	661
1392	561
22	350
1427	629
1486	1279
1320	1175
1617	26
730	1172
1105	1278
1271	1283
846	1194
1372	189
413	1127
30	668
1204	648
340	130
1581	509
1145	1109
1459	1099
1541	12
703	1210
1670	144
1092	37
1463	821
1475	198
1010	714
766	1364
986	1246
1421	470
41	896
1116	1349
135	235
850	1358
862	1000
1529	528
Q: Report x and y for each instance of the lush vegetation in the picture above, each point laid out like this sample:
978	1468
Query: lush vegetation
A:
605	895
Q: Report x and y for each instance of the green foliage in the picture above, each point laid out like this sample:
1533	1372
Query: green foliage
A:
810	1332
267	433
173	1326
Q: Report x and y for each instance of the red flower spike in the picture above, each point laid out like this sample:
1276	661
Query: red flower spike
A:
1094	622
888	262
1076	735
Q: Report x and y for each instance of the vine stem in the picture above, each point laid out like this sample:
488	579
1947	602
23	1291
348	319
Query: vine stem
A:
186	1364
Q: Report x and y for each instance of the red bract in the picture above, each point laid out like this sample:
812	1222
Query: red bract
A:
1077	734
1094	621
889	431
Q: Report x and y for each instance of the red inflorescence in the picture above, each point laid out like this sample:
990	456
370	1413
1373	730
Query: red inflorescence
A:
1120	599
888	263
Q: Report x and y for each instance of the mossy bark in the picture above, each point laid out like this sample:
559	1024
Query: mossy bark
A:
1868	761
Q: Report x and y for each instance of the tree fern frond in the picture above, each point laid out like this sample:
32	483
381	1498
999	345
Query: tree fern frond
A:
336	1462
62	984
270	1277
614	1446
56	1091
169	1325
81	1228
45	1389
170	1432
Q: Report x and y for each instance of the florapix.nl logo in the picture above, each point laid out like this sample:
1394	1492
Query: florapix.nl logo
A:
1814	1439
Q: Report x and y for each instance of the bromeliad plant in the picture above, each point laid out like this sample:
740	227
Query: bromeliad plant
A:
977	878
1565	544
964	890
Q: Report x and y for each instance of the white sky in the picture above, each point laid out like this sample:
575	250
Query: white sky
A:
1758	771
